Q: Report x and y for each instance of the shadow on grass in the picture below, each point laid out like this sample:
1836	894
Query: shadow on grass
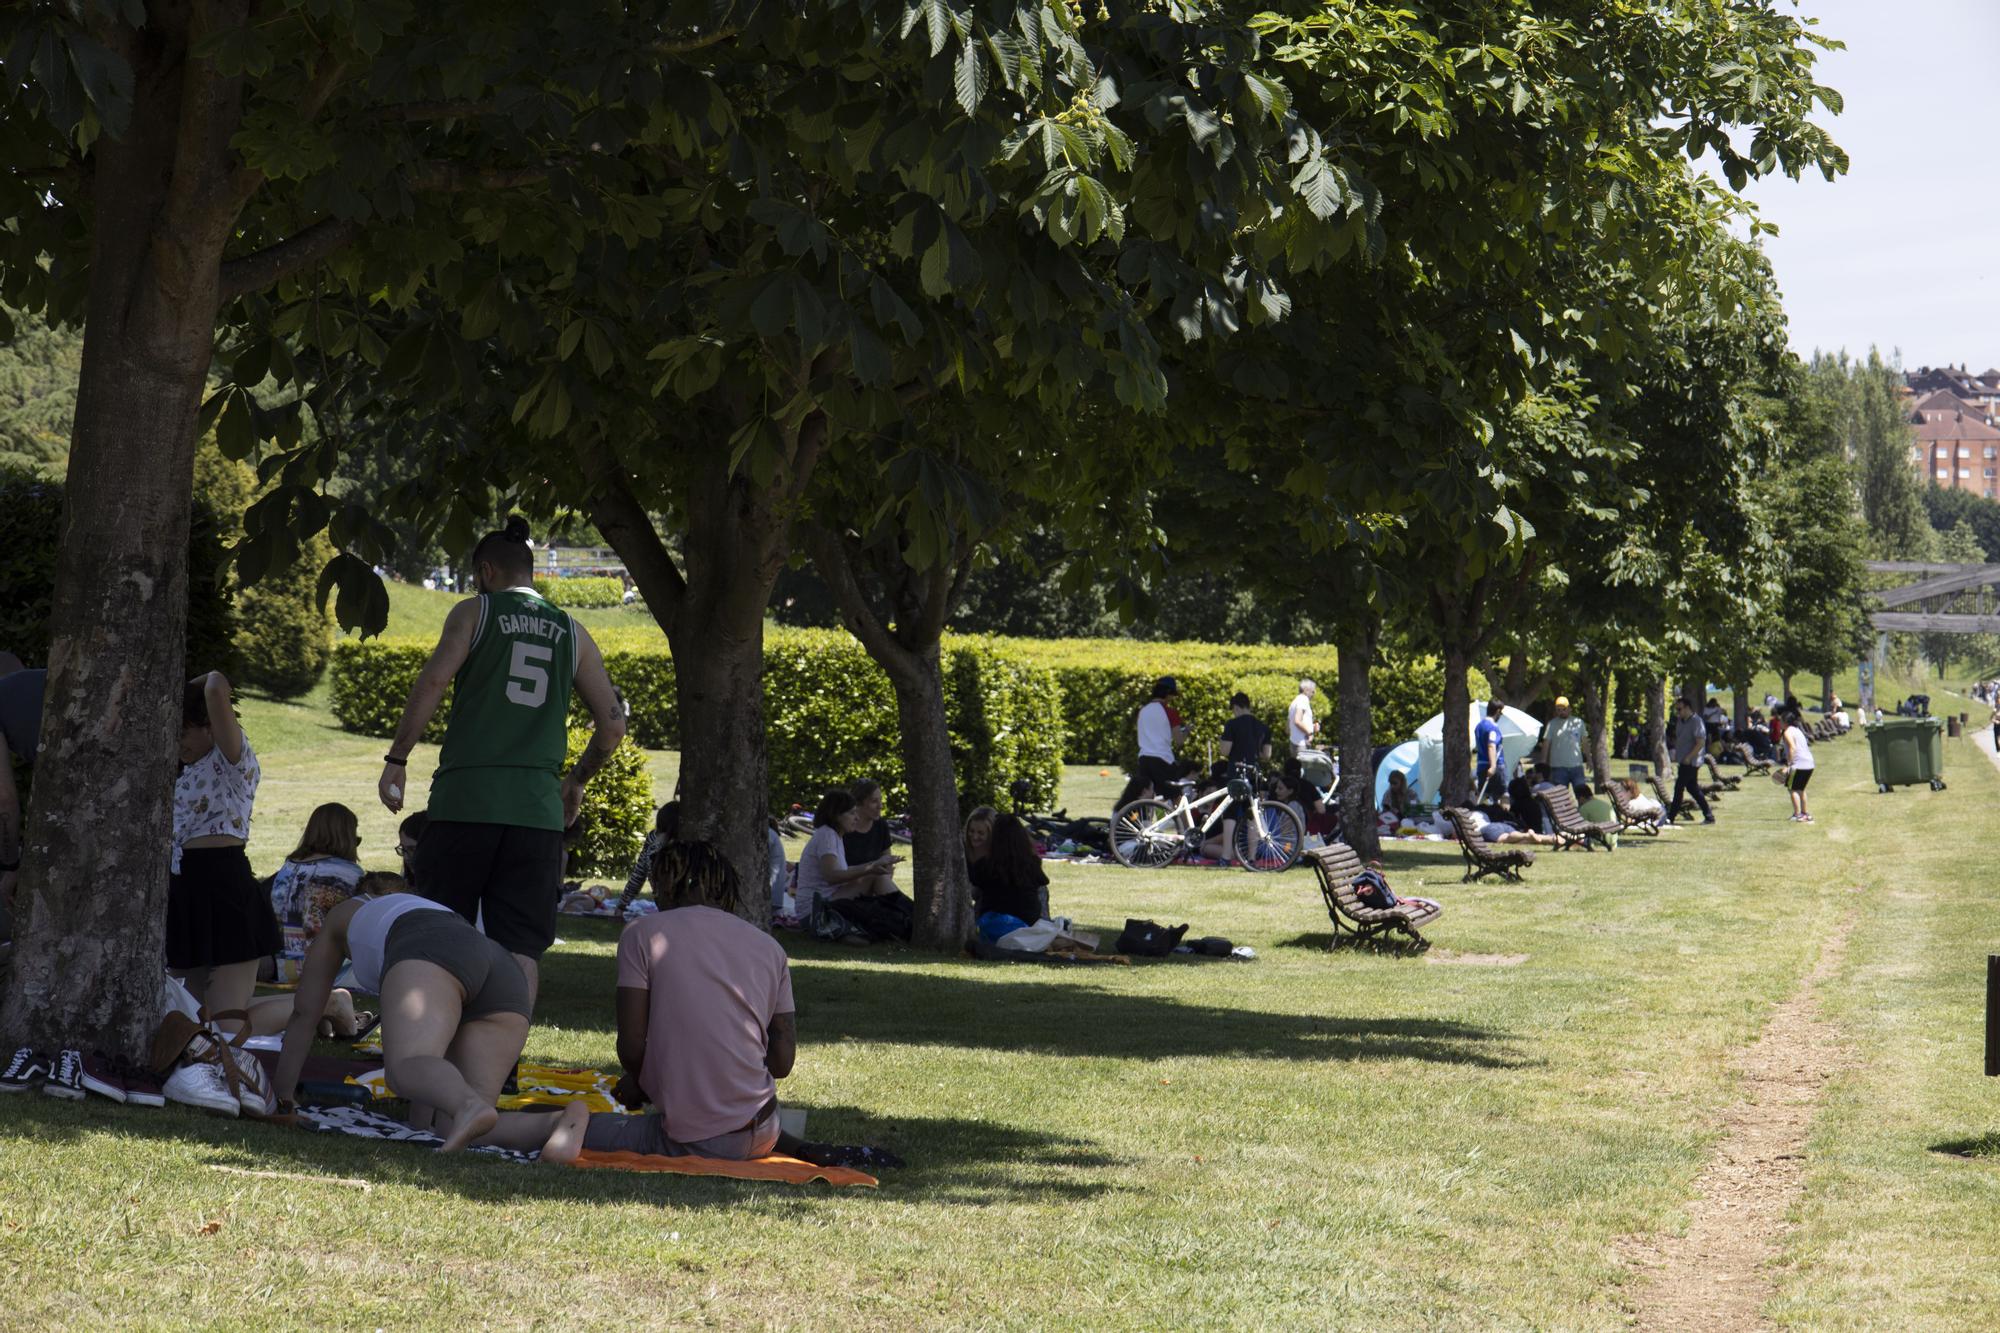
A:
1321	941
1985	1148
900	1005
952	1161
897	996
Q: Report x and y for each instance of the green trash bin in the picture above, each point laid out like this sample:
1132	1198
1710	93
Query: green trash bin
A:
1906	751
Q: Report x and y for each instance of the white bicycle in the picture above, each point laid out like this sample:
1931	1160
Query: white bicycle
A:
1149	833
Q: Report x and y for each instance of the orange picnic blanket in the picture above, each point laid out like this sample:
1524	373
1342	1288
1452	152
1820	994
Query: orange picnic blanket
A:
789	1169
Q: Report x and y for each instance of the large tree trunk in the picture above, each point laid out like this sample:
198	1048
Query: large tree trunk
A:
1784	686
1357	735
1740	715
1455	787
1597	697
1826	694
91	905
904	640
937	869
1656	722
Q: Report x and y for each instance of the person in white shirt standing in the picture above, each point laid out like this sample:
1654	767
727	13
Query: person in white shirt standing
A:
1299	717
1160	729
1799	757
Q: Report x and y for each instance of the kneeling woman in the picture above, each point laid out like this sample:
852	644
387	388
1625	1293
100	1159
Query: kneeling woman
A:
455	1005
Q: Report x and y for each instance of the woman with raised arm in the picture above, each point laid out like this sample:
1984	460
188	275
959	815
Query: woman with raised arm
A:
219	924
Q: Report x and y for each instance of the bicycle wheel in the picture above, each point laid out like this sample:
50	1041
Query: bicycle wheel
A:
1144	834
1271	838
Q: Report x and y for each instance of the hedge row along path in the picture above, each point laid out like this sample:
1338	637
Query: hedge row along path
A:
1715	1278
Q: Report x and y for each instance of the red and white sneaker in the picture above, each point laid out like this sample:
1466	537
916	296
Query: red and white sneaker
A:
142	1086
103	1078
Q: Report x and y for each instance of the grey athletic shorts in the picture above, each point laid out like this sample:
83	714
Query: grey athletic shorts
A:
609	1131
493	981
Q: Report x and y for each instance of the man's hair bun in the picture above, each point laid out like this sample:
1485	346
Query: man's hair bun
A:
516	528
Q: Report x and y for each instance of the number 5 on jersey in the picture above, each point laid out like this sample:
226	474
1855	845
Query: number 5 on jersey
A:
528	675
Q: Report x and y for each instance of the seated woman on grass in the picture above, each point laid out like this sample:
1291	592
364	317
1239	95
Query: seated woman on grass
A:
1399	799
823	868
318	876
1009	889
455	1005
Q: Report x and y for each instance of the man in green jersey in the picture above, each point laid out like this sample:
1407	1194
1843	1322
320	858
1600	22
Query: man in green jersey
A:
499	802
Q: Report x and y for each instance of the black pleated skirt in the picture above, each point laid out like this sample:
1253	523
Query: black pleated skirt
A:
216	914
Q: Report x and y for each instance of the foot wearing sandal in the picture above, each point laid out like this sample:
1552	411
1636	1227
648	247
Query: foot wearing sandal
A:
473	1119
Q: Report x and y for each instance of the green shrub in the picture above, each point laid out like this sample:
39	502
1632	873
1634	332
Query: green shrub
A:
617	811
645	676
371	683
580	594
1006	724
284	635
30	529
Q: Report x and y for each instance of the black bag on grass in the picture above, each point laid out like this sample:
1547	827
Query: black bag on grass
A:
1148	939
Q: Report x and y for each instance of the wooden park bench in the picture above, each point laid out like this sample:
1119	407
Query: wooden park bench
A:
1568	821
1483	858
1727	782
1337	864
1630	820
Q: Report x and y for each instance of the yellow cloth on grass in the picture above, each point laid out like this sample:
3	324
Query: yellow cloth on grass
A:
541	1085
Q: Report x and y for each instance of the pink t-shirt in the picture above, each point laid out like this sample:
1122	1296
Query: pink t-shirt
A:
717	982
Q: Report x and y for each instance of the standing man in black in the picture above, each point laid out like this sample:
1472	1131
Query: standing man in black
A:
1245	744
1690	739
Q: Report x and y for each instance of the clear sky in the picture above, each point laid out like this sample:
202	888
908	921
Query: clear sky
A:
1901	251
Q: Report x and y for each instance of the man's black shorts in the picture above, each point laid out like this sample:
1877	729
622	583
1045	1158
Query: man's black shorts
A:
512	874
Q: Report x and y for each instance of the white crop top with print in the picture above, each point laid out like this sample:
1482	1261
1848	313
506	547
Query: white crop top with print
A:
213	797
368	933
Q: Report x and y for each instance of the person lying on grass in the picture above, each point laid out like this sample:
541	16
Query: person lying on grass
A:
455	1006
705	1029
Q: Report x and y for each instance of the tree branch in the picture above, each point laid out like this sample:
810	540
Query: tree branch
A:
627	526
455	177
684	45
254	272
436	111
830	557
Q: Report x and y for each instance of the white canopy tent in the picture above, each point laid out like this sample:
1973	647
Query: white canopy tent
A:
1518	731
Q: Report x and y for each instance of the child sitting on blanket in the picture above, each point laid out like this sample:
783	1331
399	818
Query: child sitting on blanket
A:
705	1028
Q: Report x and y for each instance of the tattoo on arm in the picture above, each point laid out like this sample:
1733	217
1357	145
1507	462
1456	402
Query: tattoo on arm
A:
589	761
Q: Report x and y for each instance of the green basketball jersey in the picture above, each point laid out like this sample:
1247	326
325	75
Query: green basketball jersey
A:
509	731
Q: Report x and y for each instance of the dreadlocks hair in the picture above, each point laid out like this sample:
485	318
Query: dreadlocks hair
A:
694	874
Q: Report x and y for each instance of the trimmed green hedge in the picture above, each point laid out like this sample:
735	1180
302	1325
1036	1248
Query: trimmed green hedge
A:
1016	707
830	715
582	594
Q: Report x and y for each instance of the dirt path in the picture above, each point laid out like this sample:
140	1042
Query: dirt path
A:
1716	1277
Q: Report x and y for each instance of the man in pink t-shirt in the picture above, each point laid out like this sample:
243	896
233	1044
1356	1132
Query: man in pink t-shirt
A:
705	1020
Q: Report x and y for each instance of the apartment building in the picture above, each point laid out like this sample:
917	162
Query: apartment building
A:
1954	442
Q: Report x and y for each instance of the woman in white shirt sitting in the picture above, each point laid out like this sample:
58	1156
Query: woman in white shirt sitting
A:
455	1005
823	868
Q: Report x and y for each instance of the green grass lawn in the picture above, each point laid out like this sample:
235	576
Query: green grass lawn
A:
417	612
1348	1139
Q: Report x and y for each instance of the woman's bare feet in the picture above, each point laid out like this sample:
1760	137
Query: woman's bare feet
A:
566	1140
473	1119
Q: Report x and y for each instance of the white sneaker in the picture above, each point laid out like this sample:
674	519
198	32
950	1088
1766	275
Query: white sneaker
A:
201	1083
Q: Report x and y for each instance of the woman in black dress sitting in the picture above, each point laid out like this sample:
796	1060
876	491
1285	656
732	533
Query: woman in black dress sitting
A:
1009	890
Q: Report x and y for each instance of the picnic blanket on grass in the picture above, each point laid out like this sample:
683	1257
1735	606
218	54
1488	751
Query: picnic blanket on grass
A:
359	1123
541	1085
